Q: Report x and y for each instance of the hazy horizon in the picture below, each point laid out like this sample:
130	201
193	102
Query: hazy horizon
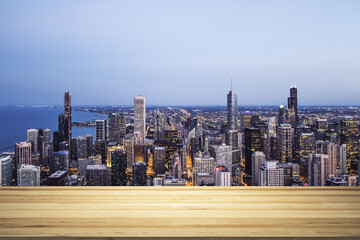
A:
180	52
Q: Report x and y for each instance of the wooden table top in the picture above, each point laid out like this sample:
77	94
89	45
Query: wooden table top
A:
180	212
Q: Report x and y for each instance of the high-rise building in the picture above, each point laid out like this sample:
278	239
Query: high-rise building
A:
114	127
285	141
159	160
140	116
32	136
23	153
100	128
47	136
62	128
318	169
232	134
342	159
183	157
28	175
139	174
129	149
271	174
235	176
204	171
330	149
321	125
274	148
60	161
281	117
140	153
118	165
232	111
252	144
248	119
81	147
258	160
293	107
176	166
233	139
271	127
97	175
89	145
349	135
222	176
100	148
223	156
159	126
122	129
291	172
305	145
67	114
6	173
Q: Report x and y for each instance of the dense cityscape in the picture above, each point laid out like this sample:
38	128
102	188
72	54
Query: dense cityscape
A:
192	146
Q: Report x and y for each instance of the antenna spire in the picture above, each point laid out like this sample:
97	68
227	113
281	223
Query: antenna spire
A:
231	83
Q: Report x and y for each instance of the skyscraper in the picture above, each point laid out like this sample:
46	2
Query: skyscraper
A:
118	167
349	135
81	147
89	144
271	174
232	111
140	116
258	159
97	175
285	142
293	107
232	134
114	127
139	174
281	117
159	160
252	144
330	149
28	175
159	127
32	136
204	171
100	128
271	127
23	153
305	145
6	170
129	149
67	113
341	159
222	176
176	166
318	169
223	156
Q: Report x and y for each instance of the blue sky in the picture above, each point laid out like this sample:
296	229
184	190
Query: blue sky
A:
179	52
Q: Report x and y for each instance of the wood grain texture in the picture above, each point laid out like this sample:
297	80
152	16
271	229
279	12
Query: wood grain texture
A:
179	212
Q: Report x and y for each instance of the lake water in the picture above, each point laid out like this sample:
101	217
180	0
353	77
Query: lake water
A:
14	121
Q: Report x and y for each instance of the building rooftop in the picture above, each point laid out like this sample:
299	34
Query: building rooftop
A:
57	174
96	167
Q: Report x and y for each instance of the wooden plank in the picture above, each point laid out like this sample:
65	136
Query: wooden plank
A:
179	212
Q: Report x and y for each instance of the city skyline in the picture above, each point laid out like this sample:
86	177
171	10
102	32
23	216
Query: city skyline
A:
179	53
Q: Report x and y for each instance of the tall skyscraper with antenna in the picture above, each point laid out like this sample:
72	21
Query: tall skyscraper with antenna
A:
232	136
67	113
292	110
232	110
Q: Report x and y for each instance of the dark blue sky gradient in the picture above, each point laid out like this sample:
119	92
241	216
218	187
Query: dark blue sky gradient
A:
179	52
